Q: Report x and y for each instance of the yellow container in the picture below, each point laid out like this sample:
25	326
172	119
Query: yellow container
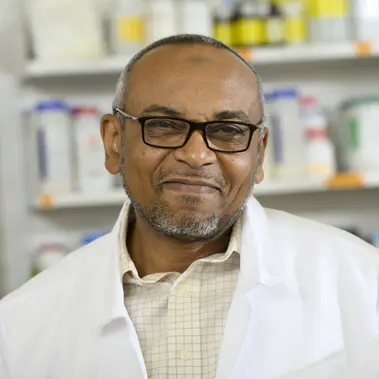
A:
249	32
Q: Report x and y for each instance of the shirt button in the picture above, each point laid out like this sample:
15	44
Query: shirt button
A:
185	355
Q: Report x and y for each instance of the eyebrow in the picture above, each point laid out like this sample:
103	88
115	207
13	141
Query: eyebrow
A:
221	115
155	108
228	115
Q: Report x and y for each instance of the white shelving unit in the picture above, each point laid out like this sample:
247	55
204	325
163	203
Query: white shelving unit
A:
343	54
331	73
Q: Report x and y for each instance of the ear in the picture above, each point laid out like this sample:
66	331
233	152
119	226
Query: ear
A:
111	135
262	148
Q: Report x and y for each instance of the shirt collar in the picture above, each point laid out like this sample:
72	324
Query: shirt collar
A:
127	265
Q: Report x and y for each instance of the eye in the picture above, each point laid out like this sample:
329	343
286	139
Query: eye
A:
165	124
229	129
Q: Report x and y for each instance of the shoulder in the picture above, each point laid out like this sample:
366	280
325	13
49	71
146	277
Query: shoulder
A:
314	239
47	291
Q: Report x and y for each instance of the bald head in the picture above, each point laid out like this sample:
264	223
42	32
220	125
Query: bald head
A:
184	43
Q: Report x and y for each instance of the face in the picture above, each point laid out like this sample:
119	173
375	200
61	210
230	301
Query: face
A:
190	193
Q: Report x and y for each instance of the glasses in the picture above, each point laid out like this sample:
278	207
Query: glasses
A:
172	133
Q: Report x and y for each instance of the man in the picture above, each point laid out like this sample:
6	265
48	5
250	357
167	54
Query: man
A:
196	280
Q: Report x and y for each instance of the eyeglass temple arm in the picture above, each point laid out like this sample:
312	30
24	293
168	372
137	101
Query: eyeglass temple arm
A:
126	115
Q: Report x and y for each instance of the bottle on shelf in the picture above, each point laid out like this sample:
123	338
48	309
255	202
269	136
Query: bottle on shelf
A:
52	146
223	12
275	24
329	21
287	136
128	26
249	25
321	158
91	175
195	17
366	20
46	256
295	24
162	19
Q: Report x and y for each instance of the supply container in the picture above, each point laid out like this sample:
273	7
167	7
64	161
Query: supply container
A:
128	26
288	136
359	135
52	138
90	237
65	29
91	175
269	162
275	25
249	25
47	256
295	24
162	19
223	24
195	17
321	158
329	21
366	20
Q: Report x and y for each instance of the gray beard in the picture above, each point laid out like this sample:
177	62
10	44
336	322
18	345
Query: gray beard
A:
186	228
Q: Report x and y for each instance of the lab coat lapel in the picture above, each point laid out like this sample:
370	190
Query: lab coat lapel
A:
261	328
99	340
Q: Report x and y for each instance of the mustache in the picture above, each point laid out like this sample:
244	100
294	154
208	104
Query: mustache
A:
174	173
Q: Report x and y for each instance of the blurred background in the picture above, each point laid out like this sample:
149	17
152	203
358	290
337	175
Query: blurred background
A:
59	63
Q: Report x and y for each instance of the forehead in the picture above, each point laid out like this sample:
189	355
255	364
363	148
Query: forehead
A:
192	77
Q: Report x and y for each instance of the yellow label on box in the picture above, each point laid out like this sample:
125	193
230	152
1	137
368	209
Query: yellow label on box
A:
223	32
328	8
130	30
294	29
250	32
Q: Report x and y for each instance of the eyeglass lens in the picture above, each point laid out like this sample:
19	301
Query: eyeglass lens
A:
225	136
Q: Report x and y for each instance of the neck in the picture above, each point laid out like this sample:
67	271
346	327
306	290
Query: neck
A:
153	252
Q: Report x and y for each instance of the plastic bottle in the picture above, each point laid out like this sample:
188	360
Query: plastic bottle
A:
91	174
321	159
128	26
269	162
47	255
249	29
163	21
53	141
366	20
195	17
295	26
359	135
288	136
223	24
275	25
329	21
88	238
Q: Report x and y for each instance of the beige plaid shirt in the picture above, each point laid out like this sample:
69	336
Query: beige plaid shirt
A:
180	318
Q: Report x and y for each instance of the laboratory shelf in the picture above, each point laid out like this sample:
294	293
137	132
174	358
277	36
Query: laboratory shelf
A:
261	56
267	188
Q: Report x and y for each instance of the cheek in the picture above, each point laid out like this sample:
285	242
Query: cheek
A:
239	170
140	163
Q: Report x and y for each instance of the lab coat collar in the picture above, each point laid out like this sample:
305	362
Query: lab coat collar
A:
103	279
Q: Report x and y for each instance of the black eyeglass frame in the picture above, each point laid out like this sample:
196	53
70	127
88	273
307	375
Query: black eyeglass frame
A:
201	126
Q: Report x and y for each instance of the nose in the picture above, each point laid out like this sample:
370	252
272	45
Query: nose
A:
195	152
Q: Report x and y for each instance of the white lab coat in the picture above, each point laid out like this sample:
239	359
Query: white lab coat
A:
305	292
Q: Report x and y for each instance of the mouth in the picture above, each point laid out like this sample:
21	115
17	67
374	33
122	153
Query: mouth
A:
193	186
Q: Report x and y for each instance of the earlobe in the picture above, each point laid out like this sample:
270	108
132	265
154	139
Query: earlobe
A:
110	133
